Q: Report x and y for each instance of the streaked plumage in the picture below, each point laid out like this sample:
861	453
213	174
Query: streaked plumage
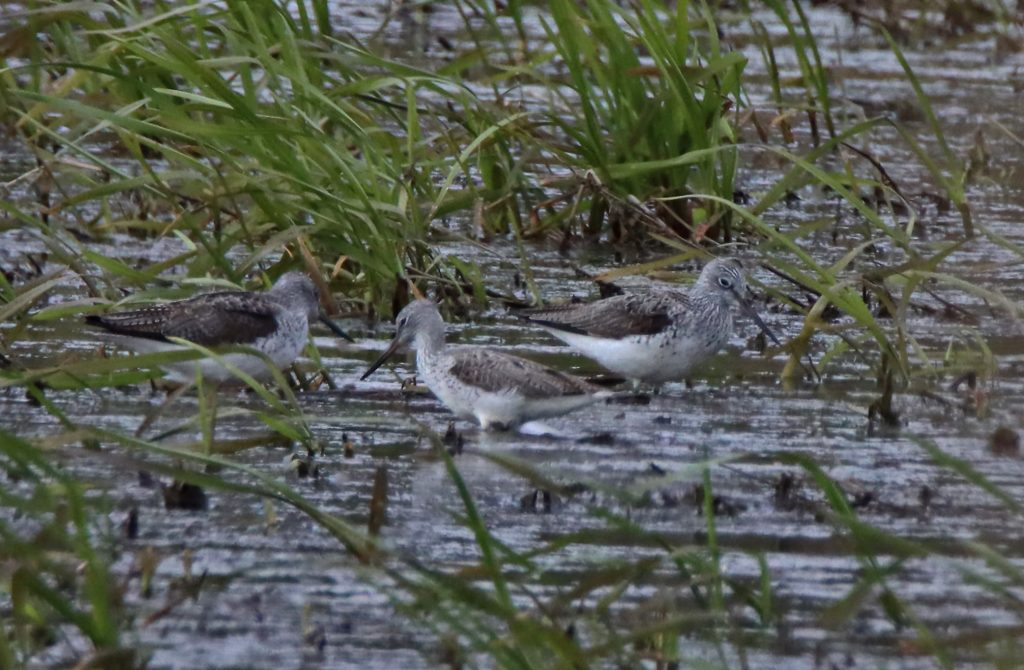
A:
497	390
274	322
657	336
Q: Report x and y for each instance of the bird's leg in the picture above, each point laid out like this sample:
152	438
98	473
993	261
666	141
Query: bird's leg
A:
150	418
409	385
453	439
640	395
207	411
296	379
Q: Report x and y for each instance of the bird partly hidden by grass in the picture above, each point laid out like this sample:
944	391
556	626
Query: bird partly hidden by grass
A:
274	323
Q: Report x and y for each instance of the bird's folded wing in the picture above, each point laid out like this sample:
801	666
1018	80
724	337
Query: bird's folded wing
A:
616	317
210	319
496	372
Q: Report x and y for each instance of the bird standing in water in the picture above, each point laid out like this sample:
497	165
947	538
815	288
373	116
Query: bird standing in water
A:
274	322
658	336
497	390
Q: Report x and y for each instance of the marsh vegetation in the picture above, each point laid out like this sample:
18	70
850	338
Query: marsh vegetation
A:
853	496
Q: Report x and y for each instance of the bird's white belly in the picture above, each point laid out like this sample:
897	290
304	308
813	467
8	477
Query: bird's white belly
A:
653	359
499	409
463	400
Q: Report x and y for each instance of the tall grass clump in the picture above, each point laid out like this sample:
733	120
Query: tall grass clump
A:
813	74
641	97
235	125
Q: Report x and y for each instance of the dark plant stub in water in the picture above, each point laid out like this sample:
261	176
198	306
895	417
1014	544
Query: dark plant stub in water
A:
182	495
1005	442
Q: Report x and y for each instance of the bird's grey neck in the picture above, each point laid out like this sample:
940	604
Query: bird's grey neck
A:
430	338
292	298
708	298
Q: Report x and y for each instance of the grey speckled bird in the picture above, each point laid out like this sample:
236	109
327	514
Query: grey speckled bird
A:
657	336
497	390
274	322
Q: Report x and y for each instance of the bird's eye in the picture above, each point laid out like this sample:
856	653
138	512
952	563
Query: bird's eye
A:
725	282
401	322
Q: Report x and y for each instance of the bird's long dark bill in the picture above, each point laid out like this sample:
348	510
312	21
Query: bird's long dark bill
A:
335	328
752	313
392	348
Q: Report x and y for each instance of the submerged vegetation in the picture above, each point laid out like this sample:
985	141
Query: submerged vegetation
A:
254	136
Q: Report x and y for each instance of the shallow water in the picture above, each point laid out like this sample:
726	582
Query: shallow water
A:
283	594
